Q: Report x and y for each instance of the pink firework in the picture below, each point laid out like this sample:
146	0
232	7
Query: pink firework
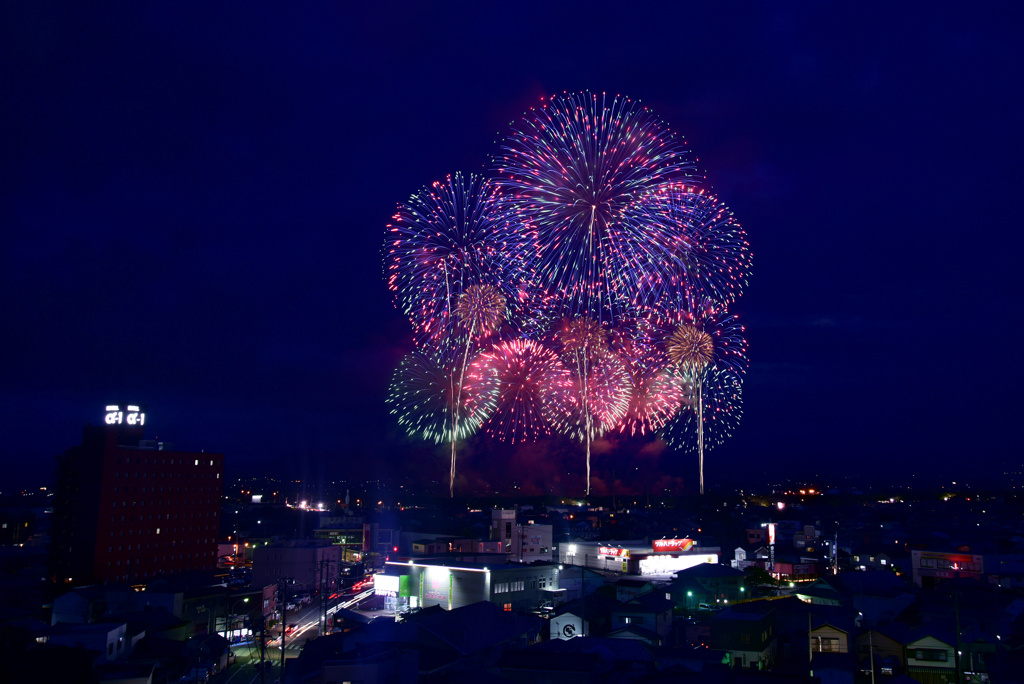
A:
514	380
594	403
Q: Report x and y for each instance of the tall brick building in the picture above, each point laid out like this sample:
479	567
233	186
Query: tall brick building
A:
129	510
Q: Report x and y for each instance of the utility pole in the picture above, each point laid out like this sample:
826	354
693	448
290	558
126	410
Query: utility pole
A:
323	598
959	655
325	571
284	617
871	651
263	646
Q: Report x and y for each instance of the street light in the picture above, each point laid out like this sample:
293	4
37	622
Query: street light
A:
227	627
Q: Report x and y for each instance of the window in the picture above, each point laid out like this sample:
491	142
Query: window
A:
828	645
932	654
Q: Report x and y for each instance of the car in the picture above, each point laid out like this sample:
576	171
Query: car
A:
289	606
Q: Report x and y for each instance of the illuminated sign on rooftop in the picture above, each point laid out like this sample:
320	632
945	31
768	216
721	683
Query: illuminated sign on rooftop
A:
667	545
129	414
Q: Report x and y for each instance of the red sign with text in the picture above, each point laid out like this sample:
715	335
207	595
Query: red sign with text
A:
611	551
662	545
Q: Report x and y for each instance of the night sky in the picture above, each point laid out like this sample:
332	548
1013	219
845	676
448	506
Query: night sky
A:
194	196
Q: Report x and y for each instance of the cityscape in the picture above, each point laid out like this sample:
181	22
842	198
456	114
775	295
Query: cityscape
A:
147	564
479	342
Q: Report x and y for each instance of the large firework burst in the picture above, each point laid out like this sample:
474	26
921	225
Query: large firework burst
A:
427	398
448	239
573	166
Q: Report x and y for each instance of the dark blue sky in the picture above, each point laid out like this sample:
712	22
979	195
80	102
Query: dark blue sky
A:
193	200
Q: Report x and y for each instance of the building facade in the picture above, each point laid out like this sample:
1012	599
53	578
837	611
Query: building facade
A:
513	587
300	566
129	510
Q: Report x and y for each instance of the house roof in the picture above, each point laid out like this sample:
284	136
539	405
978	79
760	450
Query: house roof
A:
648	635
652	601
590	608
709	570
620	650
477	626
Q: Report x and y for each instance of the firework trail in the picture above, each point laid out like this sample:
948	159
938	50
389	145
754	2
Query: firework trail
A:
708	349
573	166
455	256
598	397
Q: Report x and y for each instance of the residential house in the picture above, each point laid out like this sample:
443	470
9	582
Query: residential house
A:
746	633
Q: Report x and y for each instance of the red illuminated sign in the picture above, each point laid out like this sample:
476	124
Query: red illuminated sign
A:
662	545
611	551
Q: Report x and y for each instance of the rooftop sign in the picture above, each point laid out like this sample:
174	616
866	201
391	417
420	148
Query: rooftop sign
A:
665	545
125	414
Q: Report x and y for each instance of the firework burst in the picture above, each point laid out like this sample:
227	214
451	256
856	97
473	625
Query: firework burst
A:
481	309
456	243
709	352
573	166
424	396
683	243
517	378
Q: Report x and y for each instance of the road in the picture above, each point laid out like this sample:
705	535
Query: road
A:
307	626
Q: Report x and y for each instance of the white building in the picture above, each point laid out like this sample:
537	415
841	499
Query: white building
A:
521	543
